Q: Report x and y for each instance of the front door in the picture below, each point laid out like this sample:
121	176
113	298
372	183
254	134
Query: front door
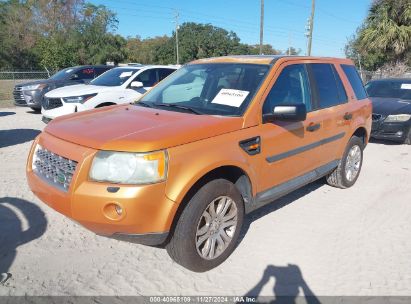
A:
290	149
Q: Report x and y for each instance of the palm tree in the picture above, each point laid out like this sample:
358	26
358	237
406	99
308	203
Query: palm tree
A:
387	28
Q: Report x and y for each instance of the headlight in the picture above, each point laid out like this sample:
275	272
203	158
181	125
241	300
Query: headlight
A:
78	99
34	87
129	168
398	118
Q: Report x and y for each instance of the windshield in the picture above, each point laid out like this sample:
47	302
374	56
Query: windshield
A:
63	74
389	89
114	77
214	89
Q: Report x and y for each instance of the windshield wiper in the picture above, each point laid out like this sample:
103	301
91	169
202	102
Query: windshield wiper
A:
177	106
143	104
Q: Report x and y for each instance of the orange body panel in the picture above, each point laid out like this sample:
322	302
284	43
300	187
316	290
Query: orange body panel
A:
196	145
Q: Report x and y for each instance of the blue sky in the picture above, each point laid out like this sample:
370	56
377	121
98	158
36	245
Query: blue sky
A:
285	20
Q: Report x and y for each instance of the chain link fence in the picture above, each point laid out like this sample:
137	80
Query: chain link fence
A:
8	79
368	76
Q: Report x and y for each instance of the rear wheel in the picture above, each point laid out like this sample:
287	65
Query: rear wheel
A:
349	168
208	229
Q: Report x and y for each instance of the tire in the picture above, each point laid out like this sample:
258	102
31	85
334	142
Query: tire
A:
37	110
407	140
339	177
182	246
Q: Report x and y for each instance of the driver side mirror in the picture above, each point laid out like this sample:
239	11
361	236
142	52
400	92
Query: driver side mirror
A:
74	77
293	112
136	84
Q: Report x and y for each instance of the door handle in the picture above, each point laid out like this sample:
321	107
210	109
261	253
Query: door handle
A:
347	116
122	97
313	127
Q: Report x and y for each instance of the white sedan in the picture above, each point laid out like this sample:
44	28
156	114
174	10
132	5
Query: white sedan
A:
116	86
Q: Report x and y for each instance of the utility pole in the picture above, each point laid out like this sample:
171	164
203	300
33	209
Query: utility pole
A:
311	28
289	43
262	27
176	16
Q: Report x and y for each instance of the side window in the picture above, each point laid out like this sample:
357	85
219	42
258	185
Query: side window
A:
341	90
99	71
87	73
328	91
163	73
355	81
148	78
291	87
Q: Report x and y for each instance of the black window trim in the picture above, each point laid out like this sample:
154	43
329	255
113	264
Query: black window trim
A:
316	90
310	87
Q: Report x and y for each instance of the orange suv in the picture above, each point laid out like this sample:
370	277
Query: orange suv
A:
212	142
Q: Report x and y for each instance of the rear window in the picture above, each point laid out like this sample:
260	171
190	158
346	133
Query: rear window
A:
328	90
355	81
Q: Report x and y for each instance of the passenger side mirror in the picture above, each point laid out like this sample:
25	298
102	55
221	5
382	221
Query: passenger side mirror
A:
136	84
295	112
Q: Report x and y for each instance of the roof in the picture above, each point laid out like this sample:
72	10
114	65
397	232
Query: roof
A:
258	59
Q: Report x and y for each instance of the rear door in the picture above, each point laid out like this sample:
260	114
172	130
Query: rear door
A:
331	103
290	149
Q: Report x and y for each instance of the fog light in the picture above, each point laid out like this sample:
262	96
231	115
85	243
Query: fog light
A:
399	133
119	210
113	211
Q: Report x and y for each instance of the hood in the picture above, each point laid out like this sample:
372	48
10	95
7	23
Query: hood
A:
389	106
76	90
137	129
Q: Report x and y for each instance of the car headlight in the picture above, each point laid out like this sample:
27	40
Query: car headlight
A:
129	168
34	87
78	99
398	118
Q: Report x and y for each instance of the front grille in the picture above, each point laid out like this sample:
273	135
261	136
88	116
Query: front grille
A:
376	117
52	103
18	96
54	168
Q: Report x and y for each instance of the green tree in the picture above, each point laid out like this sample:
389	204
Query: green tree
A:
385	36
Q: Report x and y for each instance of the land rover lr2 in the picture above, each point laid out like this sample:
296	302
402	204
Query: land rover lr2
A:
212	142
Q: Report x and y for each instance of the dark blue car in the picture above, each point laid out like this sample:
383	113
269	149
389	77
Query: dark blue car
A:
391	99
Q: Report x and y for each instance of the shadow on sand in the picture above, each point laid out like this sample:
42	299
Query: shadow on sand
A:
278	204
2	114
16	136
288	282
15	214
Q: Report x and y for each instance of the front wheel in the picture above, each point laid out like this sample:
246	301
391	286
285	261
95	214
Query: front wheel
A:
349	168
407	140
209	226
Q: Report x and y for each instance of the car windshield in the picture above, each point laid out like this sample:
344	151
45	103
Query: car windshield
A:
214	89
63	74
389	89
114	77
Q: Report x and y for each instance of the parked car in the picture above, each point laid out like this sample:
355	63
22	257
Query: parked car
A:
31	93
117	86
391	100
183	171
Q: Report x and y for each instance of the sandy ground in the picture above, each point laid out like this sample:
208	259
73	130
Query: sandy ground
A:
318	240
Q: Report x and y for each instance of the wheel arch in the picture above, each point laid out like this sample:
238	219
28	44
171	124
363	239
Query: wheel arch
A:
235	174
362	133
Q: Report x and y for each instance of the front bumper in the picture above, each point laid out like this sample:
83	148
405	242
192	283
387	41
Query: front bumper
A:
146	212
396	131
65	109
30	98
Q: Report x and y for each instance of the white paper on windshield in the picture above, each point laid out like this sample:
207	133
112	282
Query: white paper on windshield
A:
126	74
406	86
229	97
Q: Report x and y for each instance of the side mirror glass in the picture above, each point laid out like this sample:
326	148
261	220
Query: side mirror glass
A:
136	84
294	112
